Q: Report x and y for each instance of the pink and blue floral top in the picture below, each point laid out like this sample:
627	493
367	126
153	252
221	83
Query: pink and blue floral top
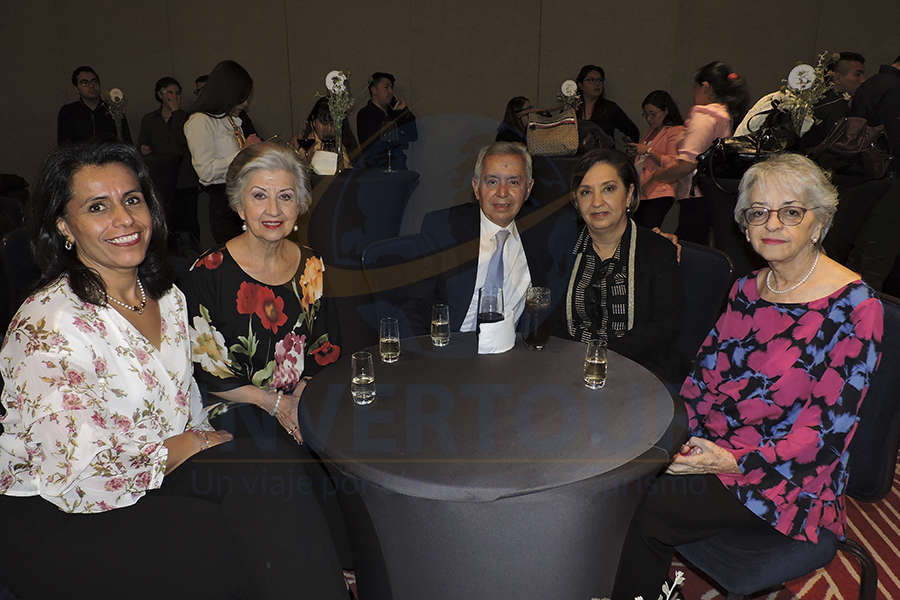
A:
246	332
90	400
780	386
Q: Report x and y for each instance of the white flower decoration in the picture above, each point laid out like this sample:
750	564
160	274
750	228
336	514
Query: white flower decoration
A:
335	81
801	77
569	88
116	95
209	349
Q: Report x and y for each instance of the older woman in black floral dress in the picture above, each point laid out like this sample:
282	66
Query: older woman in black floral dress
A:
259	329
259	324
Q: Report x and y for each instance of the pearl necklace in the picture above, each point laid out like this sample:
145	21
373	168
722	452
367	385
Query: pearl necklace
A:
796	285
139	309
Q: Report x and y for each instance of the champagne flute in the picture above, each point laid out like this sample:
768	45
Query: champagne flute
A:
362	382
440	325
595	364
389	340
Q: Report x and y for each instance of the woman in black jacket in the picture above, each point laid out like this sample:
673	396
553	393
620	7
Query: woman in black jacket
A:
625	286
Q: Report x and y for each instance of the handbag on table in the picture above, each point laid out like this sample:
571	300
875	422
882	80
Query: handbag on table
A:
554	135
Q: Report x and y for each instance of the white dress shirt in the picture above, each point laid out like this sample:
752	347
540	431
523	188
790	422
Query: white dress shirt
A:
213	146
516	277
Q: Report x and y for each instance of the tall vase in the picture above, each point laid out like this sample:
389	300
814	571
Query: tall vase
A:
338	146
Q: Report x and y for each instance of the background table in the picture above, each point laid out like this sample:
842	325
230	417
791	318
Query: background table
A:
492	476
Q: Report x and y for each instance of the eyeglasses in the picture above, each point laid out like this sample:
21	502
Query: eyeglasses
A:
593	80
788	215
88	82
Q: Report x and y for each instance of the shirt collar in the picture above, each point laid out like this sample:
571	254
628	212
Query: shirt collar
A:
490	229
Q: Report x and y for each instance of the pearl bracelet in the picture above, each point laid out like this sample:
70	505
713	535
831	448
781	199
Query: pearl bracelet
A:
277	402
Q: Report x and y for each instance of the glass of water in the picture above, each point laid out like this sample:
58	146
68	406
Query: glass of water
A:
389	340
535	318
362	382
440	325
595	364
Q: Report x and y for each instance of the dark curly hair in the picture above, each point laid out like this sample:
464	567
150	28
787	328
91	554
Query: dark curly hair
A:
727	86
52	195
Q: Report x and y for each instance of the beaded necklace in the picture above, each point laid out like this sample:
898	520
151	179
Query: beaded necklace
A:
139	309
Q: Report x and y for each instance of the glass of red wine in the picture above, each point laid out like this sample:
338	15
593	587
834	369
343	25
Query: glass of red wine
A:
490	305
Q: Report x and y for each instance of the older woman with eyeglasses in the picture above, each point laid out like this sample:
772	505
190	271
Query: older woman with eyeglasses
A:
773	399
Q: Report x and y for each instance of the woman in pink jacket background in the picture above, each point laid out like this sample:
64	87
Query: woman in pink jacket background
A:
657	149
719	97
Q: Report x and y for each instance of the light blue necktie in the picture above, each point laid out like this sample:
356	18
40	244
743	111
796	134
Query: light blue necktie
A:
494	278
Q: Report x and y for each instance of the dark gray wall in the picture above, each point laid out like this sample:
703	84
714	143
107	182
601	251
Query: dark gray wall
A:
457	61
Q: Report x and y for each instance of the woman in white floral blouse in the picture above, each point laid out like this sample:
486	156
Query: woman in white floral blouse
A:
101	403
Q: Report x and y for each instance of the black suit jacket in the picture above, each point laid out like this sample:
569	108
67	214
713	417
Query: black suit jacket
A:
452	235
658	294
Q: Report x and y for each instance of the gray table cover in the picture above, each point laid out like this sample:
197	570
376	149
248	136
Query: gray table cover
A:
449	424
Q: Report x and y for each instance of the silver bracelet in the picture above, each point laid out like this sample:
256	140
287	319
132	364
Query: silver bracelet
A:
277	402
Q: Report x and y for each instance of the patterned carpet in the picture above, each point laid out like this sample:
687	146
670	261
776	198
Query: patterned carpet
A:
876	526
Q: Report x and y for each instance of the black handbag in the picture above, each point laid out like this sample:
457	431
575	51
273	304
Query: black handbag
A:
854	147
729	158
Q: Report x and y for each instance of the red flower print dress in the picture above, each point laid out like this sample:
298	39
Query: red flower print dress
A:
779	386
246	332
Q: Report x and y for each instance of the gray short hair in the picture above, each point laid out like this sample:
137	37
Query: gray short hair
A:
267	156
496	148
795	175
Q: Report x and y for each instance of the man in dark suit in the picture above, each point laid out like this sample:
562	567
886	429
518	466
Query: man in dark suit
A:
463	238
447	262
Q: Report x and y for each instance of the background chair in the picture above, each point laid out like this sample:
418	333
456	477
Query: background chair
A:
20	272
873	455
745	562
387	272
355	208
707	277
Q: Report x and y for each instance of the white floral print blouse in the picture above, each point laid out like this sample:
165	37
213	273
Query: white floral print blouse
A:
90	400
